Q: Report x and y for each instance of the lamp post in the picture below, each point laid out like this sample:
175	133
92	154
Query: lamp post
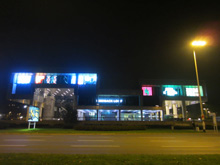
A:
199	43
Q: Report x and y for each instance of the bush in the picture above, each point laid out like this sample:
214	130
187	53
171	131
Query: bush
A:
109	127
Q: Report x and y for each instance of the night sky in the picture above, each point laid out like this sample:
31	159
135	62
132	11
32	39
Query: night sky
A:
122	41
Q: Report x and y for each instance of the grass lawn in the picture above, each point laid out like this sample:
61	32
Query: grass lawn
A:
71	131
53	159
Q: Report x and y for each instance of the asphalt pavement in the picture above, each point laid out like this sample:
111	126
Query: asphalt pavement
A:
154	143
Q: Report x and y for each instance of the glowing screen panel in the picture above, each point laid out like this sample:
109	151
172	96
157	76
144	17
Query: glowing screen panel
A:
40	77
147	91
55	78
73	79
192	91
23	78
33	114
86	78
109	100
172	90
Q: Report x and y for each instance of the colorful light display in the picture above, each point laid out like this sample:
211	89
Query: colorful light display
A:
147	91
39	78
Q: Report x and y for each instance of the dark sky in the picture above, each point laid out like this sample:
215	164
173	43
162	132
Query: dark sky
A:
121	40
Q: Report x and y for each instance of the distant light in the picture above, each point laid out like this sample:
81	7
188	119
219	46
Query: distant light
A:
25	106
198	43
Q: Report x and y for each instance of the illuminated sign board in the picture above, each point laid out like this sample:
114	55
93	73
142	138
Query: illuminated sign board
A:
192	91
110	100
172	90
55	78
33	114
45	78
22	78
87	78
147	91
40	77
52	78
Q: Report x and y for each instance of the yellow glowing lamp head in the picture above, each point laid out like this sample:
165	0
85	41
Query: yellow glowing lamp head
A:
198	43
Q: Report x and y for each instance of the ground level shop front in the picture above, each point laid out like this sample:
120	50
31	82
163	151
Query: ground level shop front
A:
119	115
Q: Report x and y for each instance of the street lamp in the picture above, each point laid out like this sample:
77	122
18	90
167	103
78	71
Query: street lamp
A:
197	44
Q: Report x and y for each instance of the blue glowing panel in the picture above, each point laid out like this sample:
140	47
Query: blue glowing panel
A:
73	79
86	78
23	78
108	100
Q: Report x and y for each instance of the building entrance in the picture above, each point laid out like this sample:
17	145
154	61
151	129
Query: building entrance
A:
52	101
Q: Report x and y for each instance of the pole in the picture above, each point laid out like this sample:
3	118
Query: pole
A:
200	99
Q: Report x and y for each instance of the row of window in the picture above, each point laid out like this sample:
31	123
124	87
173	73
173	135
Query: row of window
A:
119	115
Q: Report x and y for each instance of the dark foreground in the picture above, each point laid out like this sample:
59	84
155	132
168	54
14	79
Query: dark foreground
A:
8	159
151	143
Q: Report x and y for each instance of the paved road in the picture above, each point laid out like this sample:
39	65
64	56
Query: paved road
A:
112	144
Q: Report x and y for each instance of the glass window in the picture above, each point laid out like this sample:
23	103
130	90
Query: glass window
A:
130	115
108	115
87	114
152	115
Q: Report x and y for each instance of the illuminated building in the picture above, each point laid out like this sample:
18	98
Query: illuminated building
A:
155	100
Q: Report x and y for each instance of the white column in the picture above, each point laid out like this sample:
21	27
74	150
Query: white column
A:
167	110
175	111
157	115
161	115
